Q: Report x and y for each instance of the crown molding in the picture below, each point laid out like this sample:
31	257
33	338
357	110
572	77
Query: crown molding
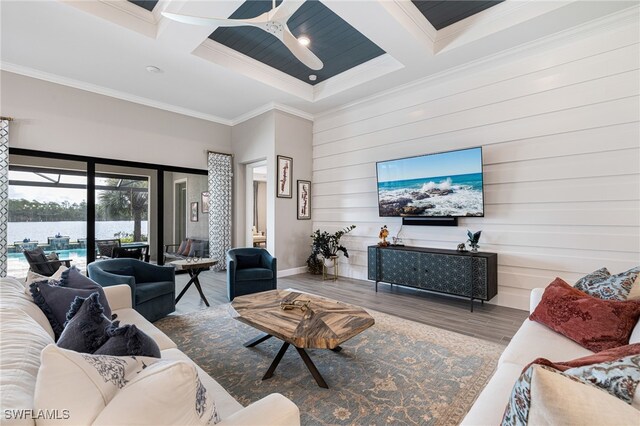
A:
629	16
100	90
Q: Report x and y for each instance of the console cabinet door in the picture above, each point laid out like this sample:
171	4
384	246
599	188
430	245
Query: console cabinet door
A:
398	267
445	273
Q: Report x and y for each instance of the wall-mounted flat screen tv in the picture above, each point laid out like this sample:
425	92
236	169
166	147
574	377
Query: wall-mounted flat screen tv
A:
446	184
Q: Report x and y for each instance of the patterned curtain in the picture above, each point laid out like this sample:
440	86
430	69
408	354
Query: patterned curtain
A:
4	192
220	168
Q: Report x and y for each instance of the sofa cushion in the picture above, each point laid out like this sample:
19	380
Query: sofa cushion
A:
186	249
489	406
128	340
248	261
252	274
197	249
21	341
593	323
12	296
148	291
131	316
83	384
603	285
167	392
86	327
225	403
183	244
534	340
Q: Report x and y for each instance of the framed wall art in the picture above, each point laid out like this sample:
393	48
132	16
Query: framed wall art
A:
194	211
284	176
204	199
304	200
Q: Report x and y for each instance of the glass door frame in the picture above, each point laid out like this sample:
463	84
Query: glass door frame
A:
91	190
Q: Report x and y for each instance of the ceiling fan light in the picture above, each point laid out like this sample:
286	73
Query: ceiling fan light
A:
304	40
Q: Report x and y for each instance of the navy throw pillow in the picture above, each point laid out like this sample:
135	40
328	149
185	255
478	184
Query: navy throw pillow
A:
55	300
128	340
73	278
86	327
248	261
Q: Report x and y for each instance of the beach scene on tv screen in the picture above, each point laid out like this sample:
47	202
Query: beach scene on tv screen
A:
445	184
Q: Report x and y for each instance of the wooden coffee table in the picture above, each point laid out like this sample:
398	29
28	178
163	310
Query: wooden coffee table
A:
322	324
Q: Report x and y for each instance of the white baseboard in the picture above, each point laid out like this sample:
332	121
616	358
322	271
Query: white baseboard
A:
292	271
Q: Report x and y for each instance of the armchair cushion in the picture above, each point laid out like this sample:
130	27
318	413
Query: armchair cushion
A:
148	291
248	261
250	274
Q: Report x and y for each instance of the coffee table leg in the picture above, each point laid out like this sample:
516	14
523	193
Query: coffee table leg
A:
312	368
275	362
184	290
196	281
253	342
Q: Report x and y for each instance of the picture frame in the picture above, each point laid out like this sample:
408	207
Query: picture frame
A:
204	198
304	200
194	211
284	174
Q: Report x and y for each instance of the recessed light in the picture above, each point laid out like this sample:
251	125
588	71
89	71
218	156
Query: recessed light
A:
304	40
313	77
154	69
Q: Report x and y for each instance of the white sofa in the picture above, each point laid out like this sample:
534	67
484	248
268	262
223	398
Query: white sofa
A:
25	331
533	340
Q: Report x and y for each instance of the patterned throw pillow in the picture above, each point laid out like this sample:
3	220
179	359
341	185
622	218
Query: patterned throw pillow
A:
591	322
619	378
603	285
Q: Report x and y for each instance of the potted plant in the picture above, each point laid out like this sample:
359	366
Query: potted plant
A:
325	247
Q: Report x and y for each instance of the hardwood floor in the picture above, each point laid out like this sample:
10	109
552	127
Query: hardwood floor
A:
488	322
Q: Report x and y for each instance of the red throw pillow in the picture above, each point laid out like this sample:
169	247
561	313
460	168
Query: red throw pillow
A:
593	323
597	358
187	249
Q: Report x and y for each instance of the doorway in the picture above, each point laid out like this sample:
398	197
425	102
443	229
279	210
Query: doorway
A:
257	204
180	211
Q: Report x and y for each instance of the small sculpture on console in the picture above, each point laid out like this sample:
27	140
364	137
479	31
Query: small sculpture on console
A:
473	240
384	233
461	247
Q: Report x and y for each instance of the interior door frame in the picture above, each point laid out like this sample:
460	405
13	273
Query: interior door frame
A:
186	210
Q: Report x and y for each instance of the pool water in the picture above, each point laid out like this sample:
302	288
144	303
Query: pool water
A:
62	254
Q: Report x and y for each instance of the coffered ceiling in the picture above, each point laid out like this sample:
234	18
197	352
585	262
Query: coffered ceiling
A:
228	74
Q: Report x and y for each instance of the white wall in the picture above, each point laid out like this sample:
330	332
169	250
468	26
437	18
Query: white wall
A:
293	139
559	127
52	117
262	138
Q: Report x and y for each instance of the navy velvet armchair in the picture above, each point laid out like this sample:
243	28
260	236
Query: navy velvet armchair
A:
250	270
153	287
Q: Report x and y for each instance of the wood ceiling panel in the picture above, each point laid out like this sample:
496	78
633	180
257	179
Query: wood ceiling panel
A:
442	13
146	4
333	40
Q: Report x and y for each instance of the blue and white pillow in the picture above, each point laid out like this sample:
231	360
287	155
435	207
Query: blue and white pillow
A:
603	285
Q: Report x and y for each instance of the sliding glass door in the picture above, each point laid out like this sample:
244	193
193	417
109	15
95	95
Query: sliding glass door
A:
47	210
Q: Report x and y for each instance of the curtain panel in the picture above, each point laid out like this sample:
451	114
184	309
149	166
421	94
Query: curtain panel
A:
4	193
220	168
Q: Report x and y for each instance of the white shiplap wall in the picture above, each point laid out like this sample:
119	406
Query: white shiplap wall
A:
561	137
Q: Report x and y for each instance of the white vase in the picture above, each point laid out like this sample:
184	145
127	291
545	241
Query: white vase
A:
329	262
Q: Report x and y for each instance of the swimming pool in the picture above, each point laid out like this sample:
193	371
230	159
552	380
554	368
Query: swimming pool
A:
62	254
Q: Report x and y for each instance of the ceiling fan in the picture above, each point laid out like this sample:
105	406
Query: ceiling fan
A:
273	22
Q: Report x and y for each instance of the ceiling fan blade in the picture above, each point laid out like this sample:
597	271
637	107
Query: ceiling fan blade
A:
287	8
196	20
303	54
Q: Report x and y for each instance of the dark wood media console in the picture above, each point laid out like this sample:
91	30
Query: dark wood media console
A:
466	274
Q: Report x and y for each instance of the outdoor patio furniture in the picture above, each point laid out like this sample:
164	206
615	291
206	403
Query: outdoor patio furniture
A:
58	243
104	248
43	264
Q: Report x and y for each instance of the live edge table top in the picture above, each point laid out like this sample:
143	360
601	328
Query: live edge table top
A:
325	324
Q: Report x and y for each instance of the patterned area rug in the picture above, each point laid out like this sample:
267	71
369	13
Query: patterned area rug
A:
396	372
